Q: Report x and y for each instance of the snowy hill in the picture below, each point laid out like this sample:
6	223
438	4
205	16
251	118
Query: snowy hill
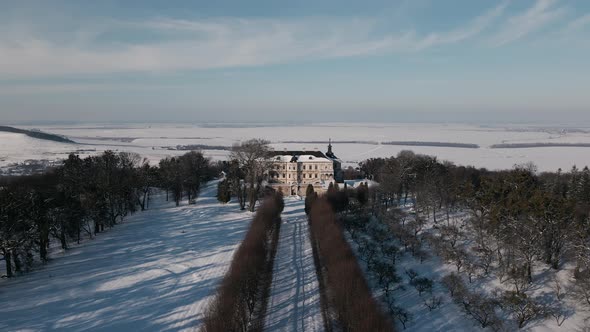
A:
155	272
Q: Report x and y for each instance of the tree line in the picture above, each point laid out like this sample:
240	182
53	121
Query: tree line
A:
350	304
83	196
517	219
240	301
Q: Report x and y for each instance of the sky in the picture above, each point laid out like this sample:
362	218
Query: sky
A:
295	61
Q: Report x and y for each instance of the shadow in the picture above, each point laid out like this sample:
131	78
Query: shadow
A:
155	272
294	304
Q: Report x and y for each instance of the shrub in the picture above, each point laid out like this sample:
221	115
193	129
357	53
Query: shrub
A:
398	313
223	191
482	309
523	308
422	285
412	275
433	302
455	285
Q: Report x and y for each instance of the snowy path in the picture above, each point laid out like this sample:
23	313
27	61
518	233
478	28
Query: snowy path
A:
294	304
155	272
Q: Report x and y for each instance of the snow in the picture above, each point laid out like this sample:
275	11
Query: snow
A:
155	272
451	317
152	141
294	304
448	317
20	147
311	159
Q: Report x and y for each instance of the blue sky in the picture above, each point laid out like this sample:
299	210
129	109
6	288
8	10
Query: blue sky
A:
203	61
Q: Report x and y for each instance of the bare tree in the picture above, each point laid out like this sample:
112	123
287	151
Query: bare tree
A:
523	308
253	156
433	302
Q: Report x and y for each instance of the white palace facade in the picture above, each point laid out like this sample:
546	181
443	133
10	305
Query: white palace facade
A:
293	171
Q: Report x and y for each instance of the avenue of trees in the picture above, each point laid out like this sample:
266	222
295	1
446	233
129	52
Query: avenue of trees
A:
240	301
83	196
348	304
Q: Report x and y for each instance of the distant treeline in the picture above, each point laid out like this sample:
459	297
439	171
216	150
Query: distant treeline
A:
434	144
538	145
404	143
37	134
335	142
193	147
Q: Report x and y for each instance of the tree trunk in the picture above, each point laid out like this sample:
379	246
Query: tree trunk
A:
17	264
62	238
529	272
8	259
79	230
143	201
43	238
43	250
434	213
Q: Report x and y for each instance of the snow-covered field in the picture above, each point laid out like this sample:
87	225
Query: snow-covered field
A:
153	141
154	272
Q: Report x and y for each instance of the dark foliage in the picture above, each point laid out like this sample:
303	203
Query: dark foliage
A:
348	293
241	298
81	197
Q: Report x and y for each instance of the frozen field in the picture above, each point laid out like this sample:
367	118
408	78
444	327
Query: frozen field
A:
154	140
155	272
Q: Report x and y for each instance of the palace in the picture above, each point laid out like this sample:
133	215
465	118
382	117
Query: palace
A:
292	171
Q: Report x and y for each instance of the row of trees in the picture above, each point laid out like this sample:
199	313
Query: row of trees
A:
82	197
240	302
350	299
182	176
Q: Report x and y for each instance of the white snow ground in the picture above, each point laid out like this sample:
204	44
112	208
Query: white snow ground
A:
154	272
153	140
294	304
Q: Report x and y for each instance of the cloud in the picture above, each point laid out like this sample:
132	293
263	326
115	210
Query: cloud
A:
166	44
475	27
578	24
542	13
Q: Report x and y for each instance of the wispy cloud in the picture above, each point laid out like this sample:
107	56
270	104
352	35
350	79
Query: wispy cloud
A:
542	13
201	44
578	24
472	29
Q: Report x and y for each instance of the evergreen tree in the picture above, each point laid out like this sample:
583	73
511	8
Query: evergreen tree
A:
223	191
